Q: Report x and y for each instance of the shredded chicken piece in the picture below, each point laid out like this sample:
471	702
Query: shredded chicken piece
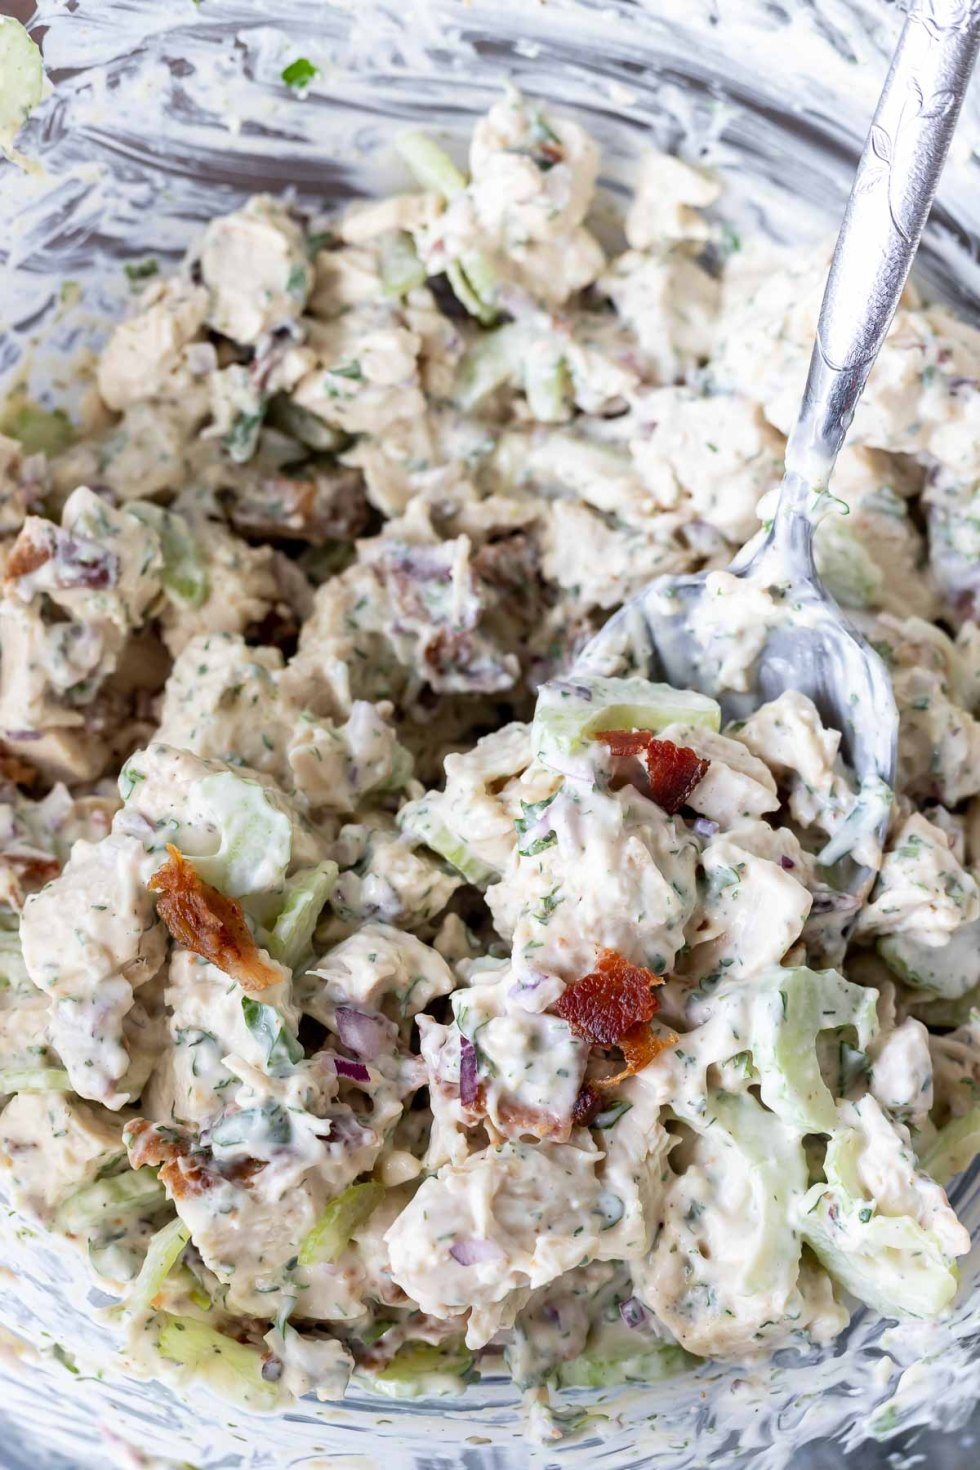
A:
213	926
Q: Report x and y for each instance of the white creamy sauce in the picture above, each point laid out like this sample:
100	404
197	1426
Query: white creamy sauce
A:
385	1161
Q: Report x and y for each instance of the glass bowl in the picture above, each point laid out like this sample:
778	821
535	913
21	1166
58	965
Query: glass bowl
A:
165	114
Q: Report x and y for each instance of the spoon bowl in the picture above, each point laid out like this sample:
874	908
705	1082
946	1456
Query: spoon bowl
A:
798	638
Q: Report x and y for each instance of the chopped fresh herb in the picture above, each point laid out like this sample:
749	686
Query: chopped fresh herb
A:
241	439
141	270
299	74
282	1050
612	1114
351	370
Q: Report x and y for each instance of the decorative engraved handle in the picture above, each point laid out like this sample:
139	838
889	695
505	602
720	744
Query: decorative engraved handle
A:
890	201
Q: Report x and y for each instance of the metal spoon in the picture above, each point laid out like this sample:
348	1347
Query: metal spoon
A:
813	648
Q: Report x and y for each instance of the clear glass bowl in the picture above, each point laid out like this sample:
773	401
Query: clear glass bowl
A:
166	113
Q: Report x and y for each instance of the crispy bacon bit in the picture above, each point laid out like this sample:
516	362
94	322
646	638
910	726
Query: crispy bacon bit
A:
25	557
586	1105
186	1169
149	1143
328	505
12	768
639	1046
672	770
605	1004
613	1006
516	1121
32	867
213	926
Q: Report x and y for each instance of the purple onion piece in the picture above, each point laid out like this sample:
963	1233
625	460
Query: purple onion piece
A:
471	1252
633	1313
22	734
468	1079
787	864
360	1033
353	1071
704	826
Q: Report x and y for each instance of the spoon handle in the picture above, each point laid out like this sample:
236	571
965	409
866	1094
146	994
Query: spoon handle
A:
890	201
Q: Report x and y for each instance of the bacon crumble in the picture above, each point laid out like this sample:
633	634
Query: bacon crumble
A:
613	1006
673	771
25	557
211	925
13	768
185	1168
604	1005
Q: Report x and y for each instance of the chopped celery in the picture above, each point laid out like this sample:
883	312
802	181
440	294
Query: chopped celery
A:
185	570
570	712
474	282
22	84
846	566
332	1232
596	1367
495	358
304	426
13	971
37	430
401	269
185	573
954	1148
950	971
898	1269
761	1147
547	387
789	1009
233	1369
282	1050
425	1370
133	1194
34	1079
431	165
421	819
291	936
472	277
891	1262
165	1247
256	837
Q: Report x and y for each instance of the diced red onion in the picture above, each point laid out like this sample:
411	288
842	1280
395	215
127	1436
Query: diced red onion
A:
472	1252
468	1079
704	826
360	1033
633	1313
22	734
353	1071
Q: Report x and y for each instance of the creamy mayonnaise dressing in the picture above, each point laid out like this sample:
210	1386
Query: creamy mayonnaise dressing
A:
358	488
